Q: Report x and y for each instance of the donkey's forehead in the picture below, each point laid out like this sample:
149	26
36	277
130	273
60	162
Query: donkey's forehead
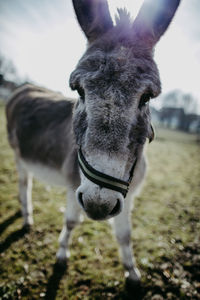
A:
117	56
119	66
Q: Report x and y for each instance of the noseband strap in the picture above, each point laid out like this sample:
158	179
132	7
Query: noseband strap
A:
102	179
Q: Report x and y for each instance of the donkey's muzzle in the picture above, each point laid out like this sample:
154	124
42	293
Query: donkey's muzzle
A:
97	209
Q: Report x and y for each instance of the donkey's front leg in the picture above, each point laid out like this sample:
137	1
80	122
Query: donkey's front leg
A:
122	224
72	217
25	193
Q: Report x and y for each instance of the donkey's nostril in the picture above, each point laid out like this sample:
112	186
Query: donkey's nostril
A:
80	199
116	209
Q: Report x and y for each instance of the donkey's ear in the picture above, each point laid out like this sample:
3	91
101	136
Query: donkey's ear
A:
153	19
93	17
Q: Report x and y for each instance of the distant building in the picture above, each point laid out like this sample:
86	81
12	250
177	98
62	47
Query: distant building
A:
175	118
191	123
172	117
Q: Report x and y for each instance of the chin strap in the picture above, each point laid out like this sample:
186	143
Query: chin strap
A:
104	180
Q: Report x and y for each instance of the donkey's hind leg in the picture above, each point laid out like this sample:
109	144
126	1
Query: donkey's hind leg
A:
72	218
122	225
25	193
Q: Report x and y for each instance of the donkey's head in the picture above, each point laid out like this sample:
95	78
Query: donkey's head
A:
115	78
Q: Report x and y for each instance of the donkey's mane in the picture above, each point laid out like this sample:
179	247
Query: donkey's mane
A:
123	18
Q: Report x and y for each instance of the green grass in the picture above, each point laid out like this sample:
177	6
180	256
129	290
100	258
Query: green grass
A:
165	233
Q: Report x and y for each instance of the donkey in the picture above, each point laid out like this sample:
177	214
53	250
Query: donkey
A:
94	146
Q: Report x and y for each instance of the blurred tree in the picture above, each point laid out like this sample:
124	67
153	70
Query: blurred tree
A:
7	69
171	99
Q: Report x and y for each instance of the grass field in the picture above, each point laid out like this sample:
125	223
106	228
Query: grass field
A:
165	235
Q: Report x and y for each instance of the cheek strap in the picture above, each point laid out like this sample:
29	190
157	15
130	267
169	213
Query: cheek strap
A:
104	180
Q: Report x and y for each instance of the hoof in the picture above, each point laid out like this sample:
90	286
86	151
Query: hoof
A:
60	265
62	262
133	280
133	289
133	284
27	228
61	258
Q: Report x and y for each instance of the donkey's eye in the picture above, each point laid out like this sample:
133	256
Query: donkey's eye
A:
81	93
144	99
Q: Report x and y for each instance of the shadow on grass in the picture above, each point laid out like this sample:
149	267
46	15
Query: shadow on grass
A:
54	281
9	221
134	293
12	238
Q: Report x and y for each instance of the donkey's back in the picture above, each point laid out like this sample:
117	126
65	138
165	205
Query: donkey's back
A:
39	125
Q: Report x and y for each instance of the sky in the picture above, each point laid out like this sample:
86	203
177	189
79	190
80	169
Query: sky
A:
44	41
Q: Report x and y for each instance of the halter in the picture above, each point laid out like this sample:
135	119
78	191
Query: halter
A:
104	180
